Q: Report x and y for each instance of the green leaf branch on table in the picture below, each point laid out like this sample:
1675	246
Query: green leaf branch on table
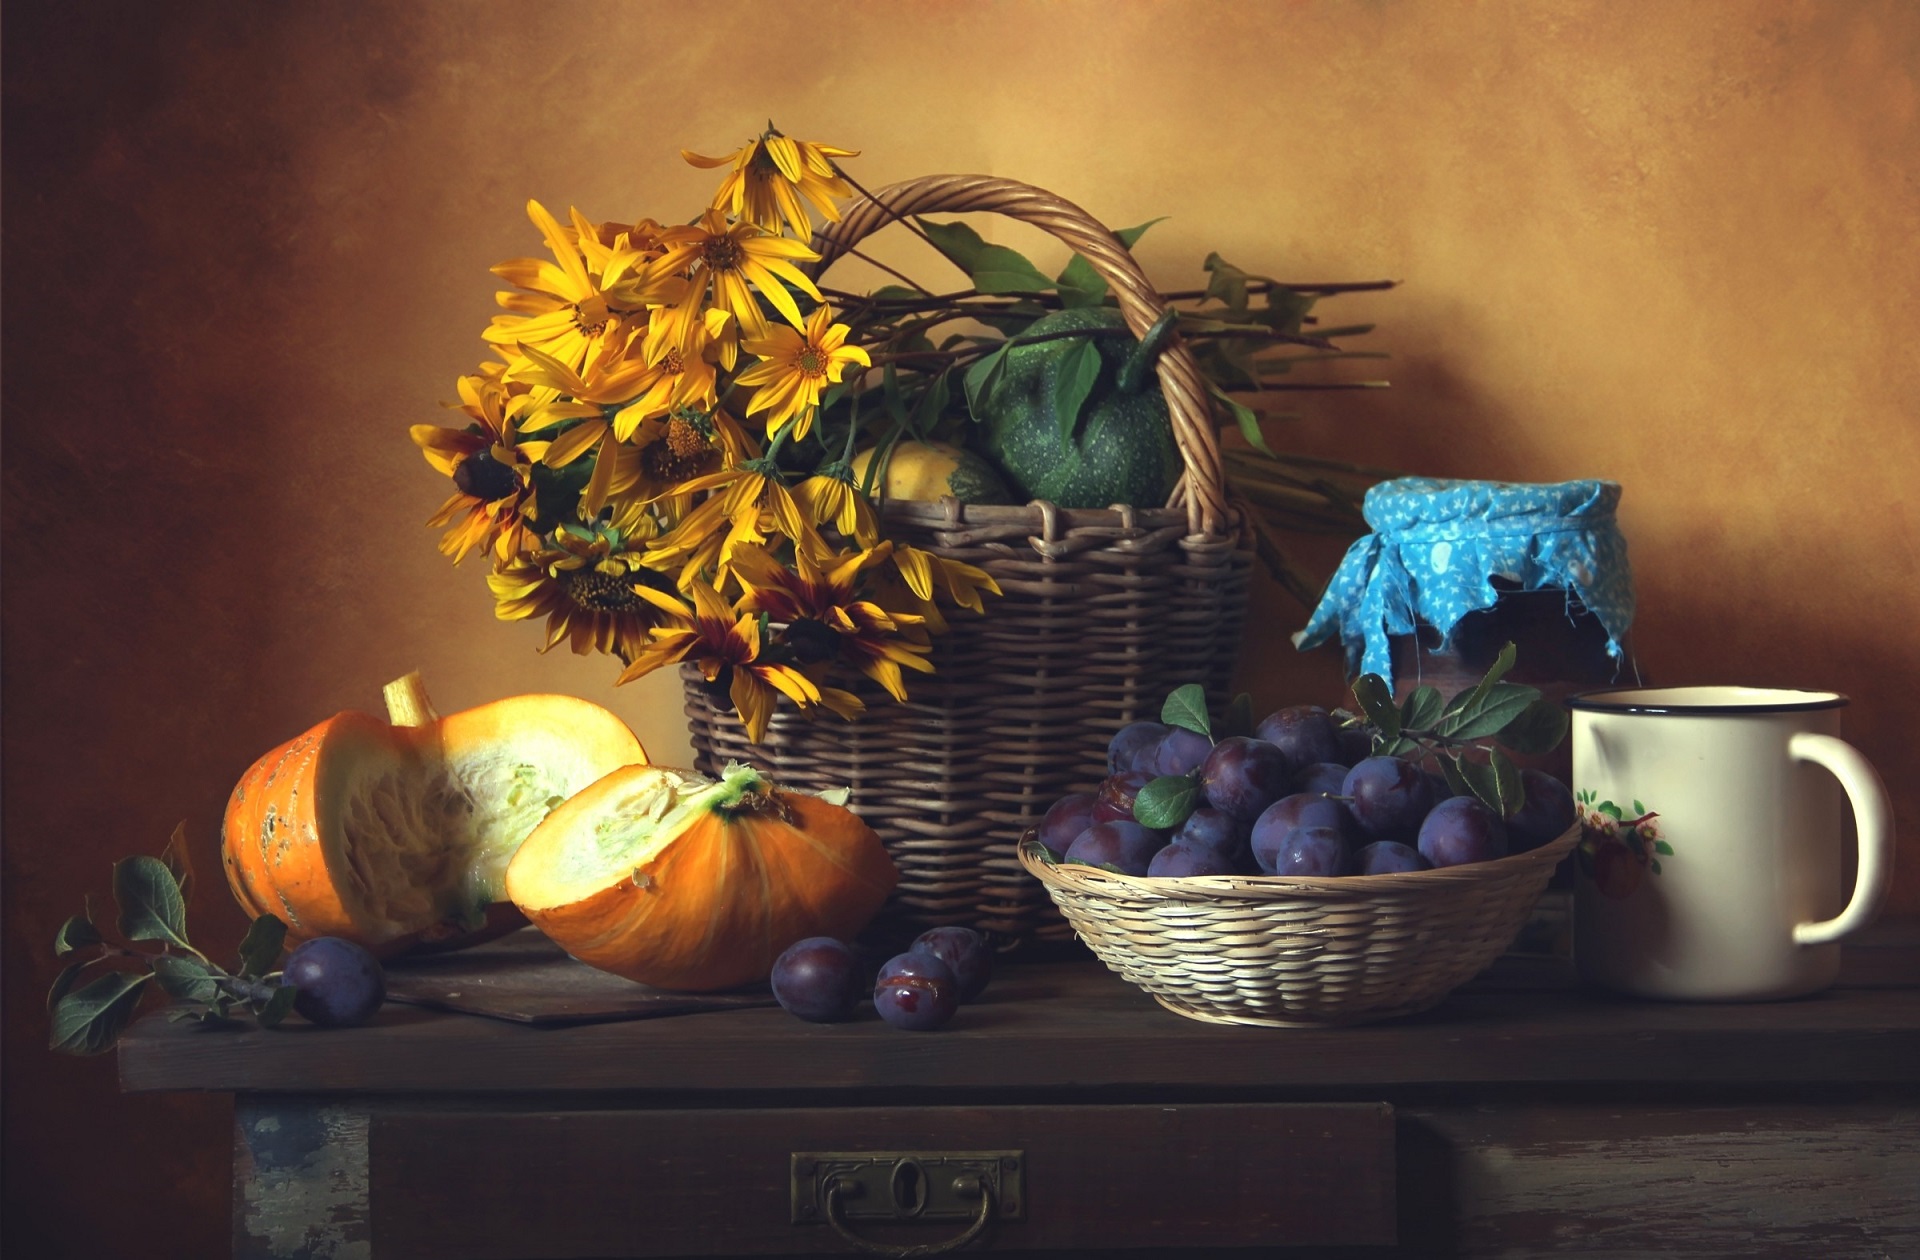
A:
150	895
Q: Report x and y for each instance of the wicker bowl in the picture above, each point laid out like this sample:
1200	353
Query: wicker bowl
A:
1289	952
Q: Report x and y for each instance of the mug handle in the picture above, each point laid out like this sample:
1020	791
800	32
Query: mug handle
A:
1873	820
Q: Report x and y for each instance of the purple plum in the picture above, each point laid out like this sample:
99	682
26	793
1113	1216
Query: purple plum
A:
1121	845
1387	797
1242	776
1462	830
1388	857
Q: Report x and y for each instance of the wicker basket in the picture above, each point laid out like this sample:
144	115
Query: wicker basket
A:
1296	952
1103	613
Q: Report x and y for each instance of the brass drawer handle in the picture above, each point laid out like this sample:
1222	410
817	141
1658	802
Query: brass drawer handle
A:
966	1185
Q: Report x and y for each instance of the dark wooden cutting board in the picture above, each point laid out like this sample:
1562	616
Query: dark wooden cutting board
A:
526	978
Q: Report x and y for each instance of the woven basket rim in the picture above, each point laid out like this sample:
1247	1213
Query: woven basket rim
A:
1094	882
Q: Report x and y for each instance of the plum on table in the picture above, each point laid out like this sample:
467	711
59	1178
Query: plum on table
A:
337	983
916	991
966	954
818	979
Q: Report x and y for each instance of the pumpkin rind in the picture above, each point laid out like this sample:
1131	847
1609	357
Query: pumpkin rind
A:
710	905
397	836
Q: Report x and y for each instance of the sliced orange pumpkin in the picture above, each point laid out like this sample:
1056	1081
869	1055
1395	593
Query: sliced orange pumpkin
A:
397	833
681	882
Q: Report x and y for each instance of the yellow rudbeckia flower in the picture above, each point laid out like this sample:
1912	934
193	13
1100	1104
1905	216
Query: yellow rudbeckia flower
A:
776	177
796	367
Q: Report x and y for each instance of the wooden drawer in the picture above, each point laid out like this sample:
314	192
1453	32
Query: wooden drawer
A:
480	1184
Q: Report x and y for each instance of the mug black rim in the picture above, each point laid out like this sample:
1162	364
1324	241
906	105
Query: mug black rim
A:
1596	702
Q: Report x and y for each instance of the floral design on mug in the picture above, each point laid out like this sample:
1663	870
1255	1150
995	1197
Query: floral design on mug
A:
1617	848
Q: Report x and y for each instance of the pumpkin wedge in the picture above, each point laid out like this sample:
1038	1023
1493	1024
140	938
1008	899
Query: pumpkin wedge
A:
396	834
678	881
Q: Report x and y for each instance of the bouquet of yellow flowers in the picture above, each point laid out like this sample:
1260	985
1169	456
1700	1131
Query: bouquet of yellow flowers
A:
660	459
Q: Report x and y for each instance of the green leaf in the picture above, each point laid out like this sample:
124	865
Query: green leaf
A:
1080	285
1497	783
1422	709
1238	719
1638	809
1495	672
1186	708
151	908
261	947
1656	866
1131	236
1247	420
76	933
933	401
835	795
993	268
1610	810
1165	802
1398	746
64	981
1456	778
186	979
982	377
87	1020
1507	781
1077	369
275	1008
1227	283
1376	699
1663	848
1538	728
1501	704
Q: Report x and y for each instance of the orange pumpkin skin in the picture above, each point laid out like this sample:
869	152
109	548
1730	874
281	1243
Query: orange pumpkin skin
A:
374	832
718	902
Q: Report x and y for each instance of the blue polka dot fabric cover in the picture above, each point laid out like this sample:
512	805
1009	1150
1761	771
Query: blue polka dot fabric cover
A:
1437	543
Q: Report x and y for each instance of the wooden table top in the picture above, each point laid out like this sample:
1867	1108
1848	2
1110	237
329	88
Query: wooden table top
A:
1073	1026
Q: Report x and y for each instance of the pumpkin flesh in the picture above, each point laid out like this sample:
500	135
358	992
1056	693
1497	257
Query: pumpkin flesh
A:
390	835
684	883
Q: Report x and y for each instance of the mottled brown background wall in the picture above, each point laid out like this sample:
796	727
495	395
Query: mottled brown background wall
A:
245	247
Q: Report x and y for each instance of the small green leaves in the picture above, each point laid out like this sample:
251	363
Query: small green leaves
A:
982	377
1376	701
1663	848
151	908
1422	709
76	933
1077	371
275	1009
835	795
1538	728
261	947
1164	803
1496	783
1487	713
87	1020
187	979
1186	708
992	268
1247	420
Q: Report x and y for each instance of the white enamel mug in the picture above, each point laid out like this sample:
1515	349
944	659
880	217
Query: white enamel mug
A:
1714	857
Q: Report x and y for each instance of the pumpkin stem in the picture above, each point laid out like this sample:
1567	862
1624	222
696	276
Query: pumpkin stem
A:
408	703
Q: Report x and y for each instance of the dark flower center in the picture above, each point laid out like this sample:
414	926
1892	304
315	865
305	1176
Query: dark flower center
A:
722	253
812	641
682	452
484	477
601	592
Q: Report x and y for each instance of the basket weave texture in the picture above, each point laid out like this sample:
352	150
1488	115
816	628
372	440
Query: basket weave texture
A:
1297	952
1103	612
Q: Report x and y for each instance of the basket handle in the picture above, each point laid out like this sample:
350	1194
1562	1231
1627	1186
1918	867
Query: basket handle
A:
1201	490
